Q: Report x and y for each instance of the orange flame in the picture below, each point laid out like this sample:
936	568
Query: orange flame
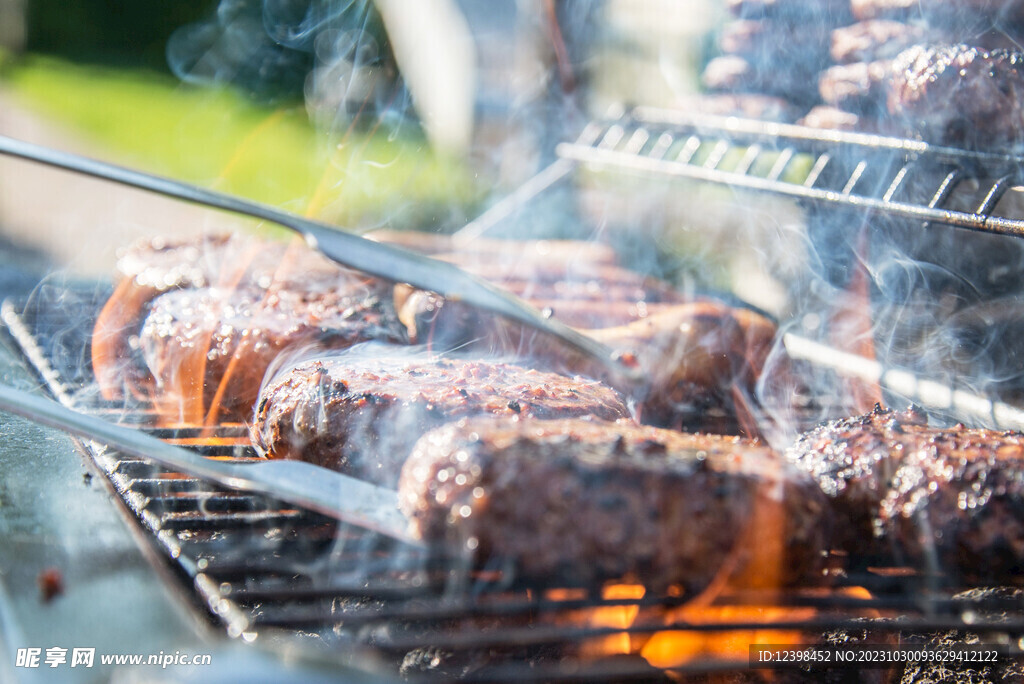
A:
615	617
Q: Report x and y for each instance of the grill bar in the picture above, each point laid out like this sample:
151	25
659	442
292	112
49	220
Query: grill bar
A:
869	154
261	568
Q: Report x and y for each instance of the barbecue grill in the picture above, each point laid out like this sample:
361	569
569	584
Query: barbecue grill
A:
268	573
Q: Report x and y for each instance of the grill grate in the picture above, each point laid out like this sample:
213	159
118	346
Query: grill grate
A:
831	168
265	570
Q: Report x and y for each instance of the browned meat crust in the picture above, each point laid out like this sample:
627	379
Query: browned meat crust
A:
696	354
589	501
209	349
953	496
960	95
429	316
853	462
958	500
362	415
145	270
254	266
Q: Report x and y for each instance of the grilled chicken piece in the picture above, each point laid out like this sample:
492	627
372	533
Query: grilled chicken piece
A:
362	415
587	501
912	493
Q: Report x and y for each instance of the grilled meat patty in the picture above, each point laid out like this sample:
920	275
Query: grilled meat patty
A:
362	415
586	501
209	349
960	95
915	493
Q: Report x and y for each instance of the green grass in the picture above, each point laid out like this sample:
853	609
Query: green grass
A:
219	139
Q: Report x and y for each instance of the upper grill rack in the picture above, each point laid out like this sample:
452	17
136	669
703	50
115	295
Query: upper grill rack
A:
897	177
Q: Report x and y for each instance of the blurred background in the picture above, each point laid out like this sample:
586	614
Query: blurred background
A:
363	113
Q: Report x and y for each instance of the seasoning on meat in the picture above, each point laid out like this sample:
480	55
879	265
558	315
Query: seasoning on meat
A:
584	501
362	415
953	496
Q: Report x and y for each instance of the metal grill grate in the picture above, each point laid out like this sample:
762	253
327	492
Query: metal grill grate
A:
263	569
901	178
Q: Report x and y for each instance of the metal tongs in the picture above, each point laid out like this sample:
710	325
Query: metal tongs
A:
382	260
335	495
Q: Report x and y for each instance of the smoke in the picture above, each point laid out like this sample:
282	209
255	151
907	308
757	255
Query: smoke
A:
332	54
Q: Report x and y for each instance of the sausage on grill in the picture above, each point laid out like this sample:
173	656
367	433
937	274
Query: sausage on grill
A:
586	501
362	415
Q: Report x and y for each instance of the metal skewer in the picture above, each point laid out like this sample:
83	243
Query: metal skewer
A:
382	260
